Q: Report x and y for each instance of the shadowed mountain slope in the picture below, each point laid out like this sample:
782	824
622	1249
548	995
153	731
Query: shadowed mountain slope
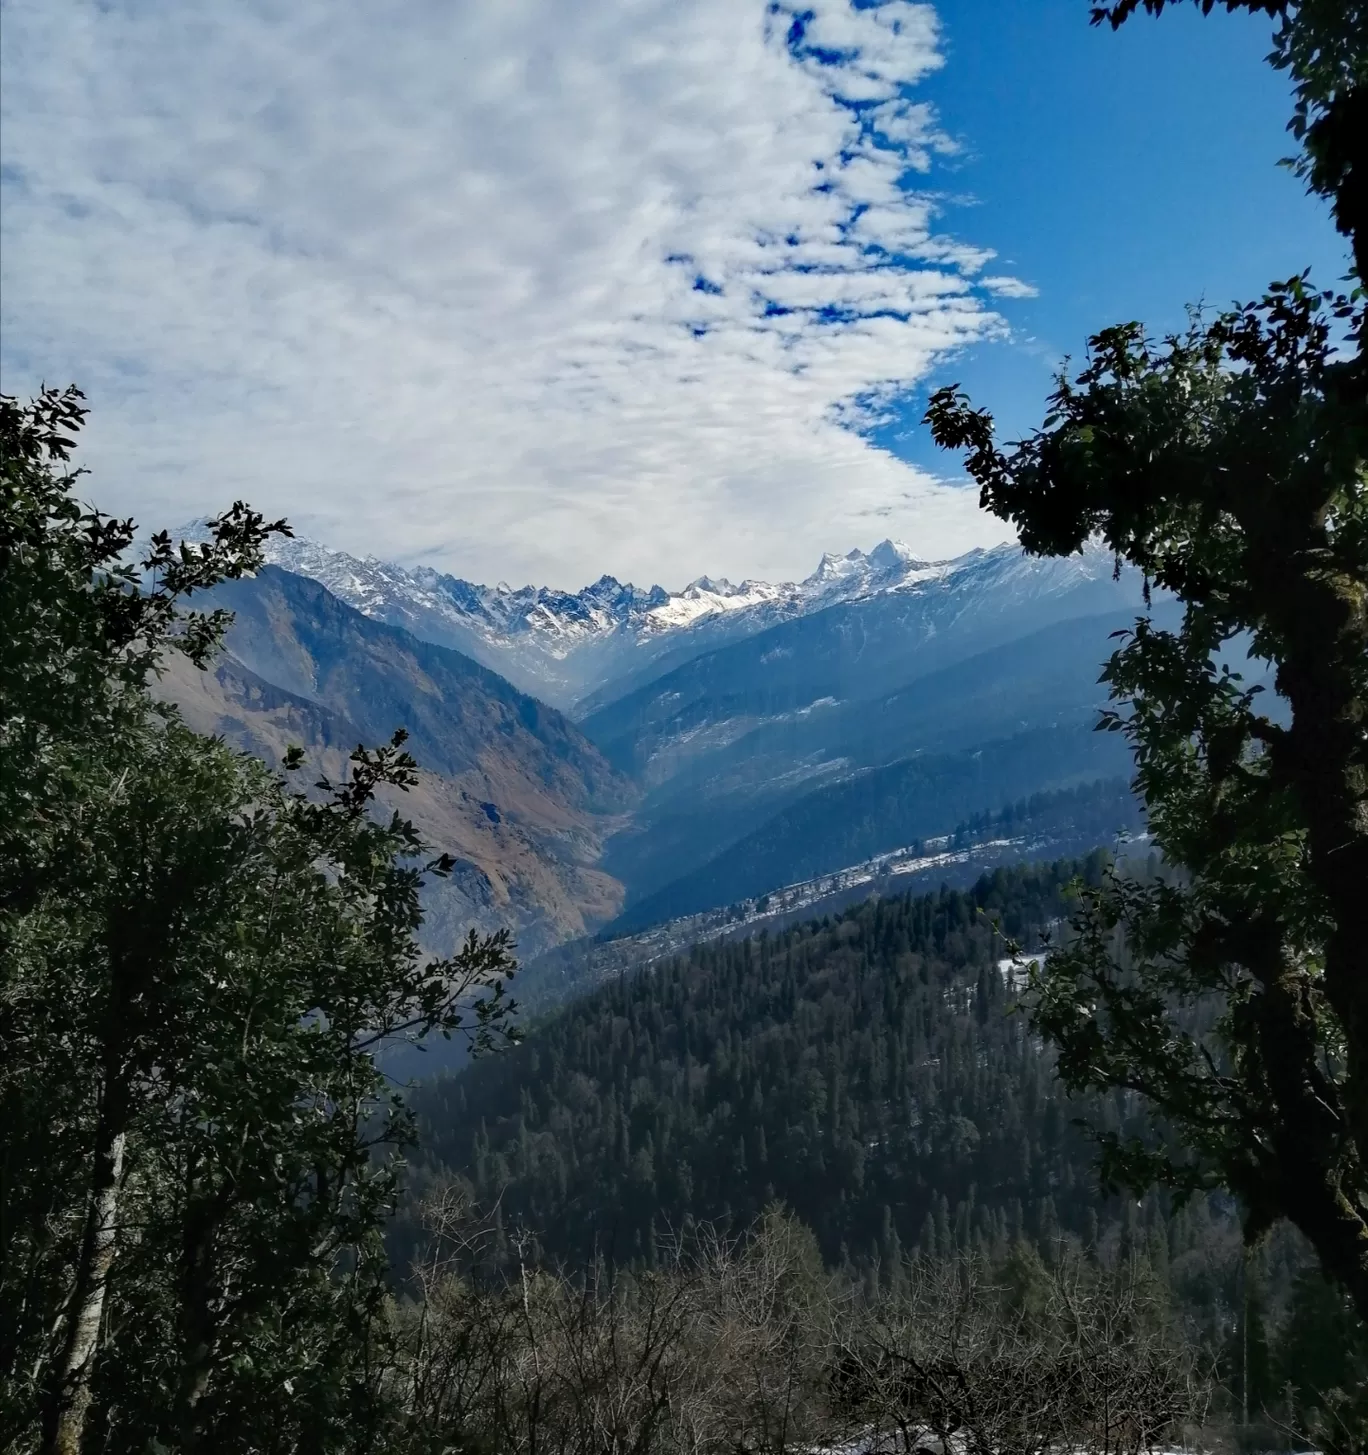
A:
1044	683
510	787
853	652
881	809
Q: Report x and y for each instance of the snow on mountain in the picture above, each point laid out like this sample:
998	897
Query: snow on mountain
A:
607	606
381	589
566	620
562	645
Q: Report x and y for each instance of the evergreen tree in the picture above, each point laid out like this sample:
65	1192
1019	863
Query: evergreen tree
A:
864	1069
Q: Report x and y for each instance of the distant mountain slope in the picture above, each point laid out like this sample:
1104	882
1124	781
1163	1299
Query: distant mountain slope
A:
548	642
1065	823
567	645
1039	677
1000	646
510	786
880	809
705	796
586	648
749	702
852	653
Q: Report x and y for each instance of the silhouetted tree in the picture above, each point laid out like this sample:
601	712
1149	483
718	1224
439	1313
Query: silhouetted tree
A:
1228	464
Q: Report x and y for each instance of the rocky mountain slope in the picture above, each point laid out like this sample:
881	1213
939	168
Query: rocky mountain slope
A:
510	788
747	736
579	650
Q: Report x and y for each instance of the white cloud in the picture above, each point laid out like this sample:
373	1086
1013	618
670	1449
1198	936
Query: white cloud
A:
1008	287
528	290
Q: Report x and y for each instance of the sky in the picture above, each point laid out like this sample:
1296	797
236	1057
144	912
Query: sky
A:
534	291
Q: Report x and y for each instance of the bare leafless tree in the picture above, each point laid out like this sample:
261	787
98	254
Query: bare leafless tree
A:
945	1357
747	1346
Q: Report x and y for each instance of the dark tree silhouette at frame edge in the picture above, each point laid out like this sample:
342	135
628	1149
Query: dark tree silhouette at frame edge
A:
1228	464
197	963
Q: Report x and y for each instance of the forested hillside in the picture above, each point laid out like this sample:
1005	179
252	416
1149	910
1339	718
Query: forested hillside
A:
864	1070
867	1072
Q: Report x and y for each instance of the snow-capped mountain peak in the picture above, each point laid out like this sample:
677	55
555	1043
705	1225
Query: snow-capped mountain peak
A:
890	555
886	558
833	568
561	645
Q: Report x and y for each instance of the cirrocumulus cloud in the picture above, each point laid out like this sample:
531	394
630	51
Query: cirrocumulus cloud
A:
525	289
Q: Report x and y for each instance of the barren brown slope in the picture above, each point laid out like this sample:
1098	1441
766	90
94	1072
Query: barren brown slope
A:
509	787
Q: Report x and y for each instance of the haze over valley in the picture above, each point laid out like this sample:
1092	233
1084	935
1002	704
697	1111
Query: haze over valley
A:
621	756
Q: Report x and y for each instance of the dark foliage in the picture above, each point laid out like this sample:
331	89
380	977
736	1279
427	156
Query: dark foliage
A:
1228	464
197	963
863	1070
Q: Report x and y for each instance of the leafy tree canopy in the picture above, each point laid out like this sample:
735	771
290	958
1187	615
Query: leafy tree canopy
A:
1228	463
198	964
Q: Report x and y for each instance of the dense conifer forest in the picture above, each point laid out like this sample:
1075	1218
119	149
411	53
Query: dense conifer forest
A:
867	1072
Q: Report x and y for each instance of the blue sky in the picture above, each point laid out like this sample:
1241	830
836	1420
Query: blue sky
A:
1123	173
535	291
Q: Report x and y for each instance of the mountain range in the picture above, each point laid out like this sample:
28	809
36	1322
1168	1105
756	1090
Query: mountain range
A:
510	787
619	756
582	647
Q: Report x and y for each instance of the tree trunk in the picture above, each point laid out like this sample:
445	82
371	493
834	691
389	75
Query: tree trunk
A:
65	1422
196	1322
1325	626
